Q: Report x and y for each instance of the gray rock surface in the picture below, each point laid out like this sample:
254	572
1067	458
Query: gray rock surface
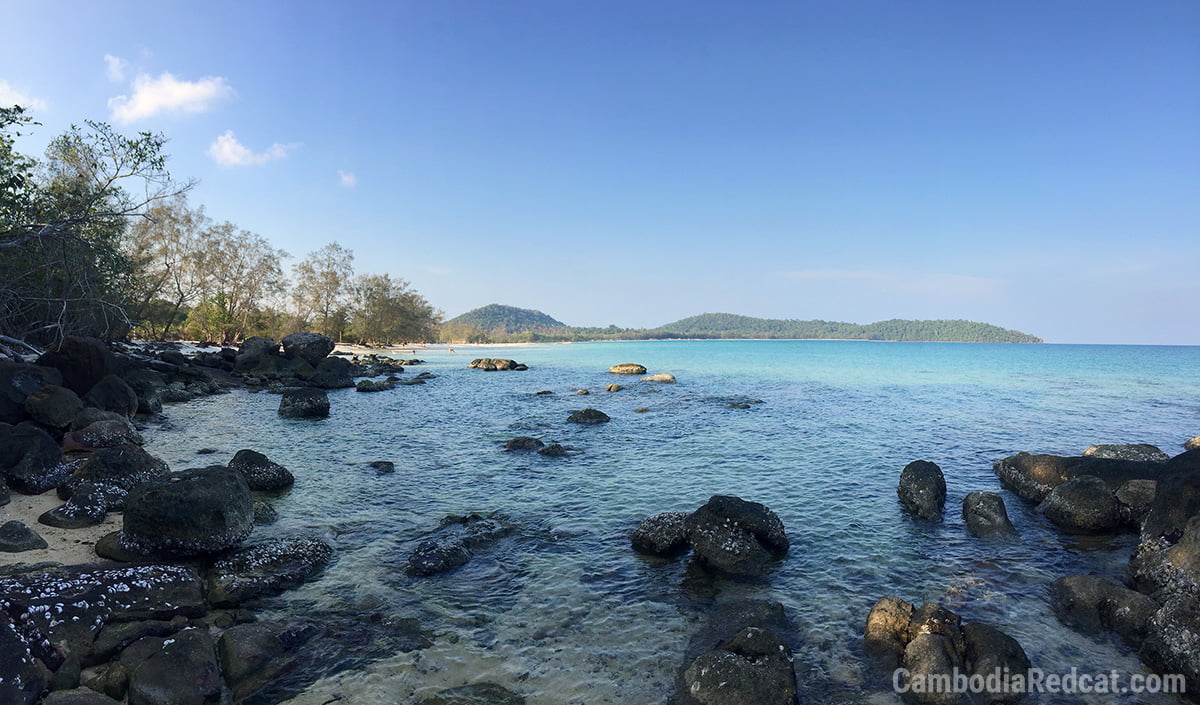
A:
304	403
734	536
310	347
1084	503
265	569
661	535
1127	451
194	512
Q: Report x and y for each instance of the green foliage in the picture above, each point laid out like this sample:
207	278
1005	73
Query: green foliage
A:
501	320
387	311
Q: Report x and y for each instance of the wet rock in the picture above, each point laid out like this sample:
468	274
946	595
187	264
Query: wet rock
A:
1129	451
738	405
382	467
1134	500
78	696
264	514
112	394
990	651
752	668
886	633
1165	569
332	373
588	416
661	377
53	406
1172	642
88	505
488	364
1095	605
22	678
1176	499
148	385
15	537
5	497
190	513
304	403
107	433
1032	477
1085	503
184	671
543	393
523	443
370	385
31	460
262	475
115	471
582	392
411	382
553	450
931	618
82	363
986	515
734	536
455	542
922	489
613	388
254	655
641	410
661	535
627	368
926	656
112	680
475	694
265	569
310	347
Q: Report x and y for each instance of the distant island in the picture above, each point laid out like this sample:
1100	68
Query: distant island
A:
496	323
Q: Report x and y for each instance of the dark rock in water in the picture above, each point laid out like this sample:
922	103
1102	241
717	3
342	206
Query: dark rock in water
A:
721	624
411	382
264	514
31	460
589	416
148	385
253	655
931	618
613	388
1164	569
88	505
382	466
370	385
738	405
206	451
475	694
922	489
53	406
1094	605
261	474
22	678
15	537
332	373
1176	499
304	404
927	656
989	651
78	696
523	443
628	368
115	471
661	535
986	515
266	569
1032	477
543	392
184	671
582	392
310	347
189	513
1172	642
82	363
455	541
488	364
1129	451
112	394
1085	503
553	450
106	433
1134	500
752	668
19	380
734	536
886	633
426	375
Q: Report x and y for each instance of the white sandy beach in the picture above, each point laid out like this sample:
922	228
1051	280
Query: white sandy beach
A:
66	546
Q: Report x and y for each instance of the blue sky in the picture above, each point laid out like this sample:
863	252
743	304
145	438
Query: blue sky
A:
1030	164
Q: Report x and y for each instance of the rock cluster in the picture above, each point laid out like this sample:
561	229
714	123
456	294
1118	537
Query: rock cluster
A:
488	364
728	535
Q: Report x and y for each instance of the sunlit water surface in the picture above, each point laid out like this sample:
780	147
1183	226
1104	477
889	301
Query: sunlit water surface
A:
568	613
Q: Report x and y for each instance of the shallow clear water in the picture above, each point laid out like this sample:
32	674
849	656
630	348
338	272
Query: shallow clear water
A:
568	613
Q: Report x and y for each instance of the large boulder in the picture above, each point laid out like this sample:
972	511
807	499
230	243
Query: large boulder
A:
1032	477
1172	642
455	542
265	569
1085	503
332	373
113	394
734	536
306	403
489	364
588	416
986	515
253	655
262	475
31	460
115	471
661	535
1127	451
82	363
310	347
185	670
754	667
1094	604
1165	568
628	368
928	658
17	382
990	651
53	406
252	351
108	433
1176	499
886	632
922	489
193	512
148	384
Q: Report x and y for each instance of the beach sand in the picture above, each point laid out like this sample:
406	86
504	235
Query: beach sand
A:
66	546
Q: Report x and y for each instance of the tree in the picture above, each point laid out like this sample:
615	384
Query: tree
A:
168	272
61	222
322	289
242	277
387	311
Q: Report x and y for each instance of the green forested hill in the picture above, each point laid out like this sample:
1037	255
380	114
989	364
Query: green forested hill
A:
728	325
507	319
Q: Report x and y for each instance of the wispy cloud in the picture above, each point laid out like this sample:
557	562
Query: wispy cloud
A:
115	67
884	281
167	94
347	178
10	96
227	151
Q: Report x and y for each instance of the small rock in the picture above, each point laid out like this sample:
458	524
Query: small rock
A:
553	450
262	475
922	489
986	515
663	377
661	535
582	391
588	416
370	385
523	443
542	393
264	514
306	403
16	537
382	467
739	405
613	388
627	368
641	410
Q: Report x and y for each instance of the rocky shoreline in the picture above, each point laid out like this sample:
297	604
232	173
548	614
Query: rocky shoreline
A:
160	570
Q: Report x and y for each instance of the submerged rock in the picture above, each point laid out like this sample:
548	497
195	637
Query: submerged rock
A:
253	655
922	489
553	450
734	536
264	569
628	368
455	541
986	515
193	512
475	694
1094	605
661	535
306	403
754	667
523	443
588	416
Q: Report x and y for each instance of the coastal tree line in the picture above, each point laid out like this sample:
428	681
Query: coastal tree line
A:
97	238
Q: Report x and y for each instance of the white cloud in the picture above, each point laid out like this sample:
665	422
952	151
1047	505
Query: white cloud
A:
166	93
227	151
348	178
114	68
10	96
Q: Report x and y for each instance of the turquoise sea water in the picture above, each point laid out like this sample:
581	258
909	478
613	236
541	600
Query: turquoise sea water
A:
568	613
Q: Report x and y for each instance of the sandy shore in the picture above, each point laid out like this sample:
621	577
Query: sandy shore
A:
66	546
